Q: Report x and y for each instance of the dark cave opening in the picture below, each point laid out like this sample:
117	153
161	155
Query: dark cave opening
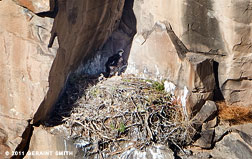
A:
218	96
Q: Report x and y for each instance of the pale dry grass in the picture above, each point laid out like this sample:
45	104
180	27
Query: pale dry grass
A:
234	114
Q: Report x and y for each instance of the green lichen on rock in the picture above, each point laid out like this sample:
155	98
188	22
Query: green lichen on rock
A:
159	86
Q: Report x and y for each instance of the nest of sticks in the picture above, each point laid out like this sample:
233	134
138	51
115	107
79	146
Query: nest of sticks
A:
121	110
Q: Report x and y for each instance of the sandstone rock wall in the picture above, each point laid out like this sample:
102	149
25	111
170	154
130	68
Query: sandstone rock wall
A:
229	33
218	30
25	63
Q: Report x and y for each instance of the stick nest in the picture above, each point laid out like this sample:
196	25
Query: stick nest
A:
122	110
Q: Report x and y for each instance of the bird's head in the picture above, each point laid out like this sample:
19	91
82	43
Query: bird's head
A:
120	52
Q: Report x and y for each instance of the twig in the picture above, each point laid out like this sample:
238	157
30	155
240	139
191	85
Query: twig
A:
147	125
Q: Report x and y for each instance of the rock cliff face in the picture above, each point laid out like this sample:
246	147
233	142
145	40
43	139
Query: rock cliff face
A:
205	51
217	29
25	64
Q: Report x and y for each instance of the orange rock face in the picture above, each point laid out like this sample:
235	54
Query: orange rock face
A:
35	6
25	63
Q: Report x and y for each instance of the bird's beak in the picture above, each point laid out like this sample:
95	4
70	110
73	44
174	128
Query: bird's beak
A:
121	51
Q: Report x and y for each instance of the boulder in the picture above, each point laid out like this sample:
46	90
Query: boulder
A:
206	139
245	131
207	134
210	123
208	111
229	142
205	122
231	146
45	145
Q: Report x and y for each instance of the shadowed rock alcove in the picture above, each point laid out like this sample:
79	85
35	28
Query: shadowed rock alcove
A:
94	64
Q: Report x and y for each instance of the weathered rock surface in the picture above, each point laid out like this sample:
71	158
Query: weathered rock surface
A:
204	122
25	63
45	145
36	6
207	134
229	143
208	28
232	146
3	147
208	110
245	131
192	73
206	139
